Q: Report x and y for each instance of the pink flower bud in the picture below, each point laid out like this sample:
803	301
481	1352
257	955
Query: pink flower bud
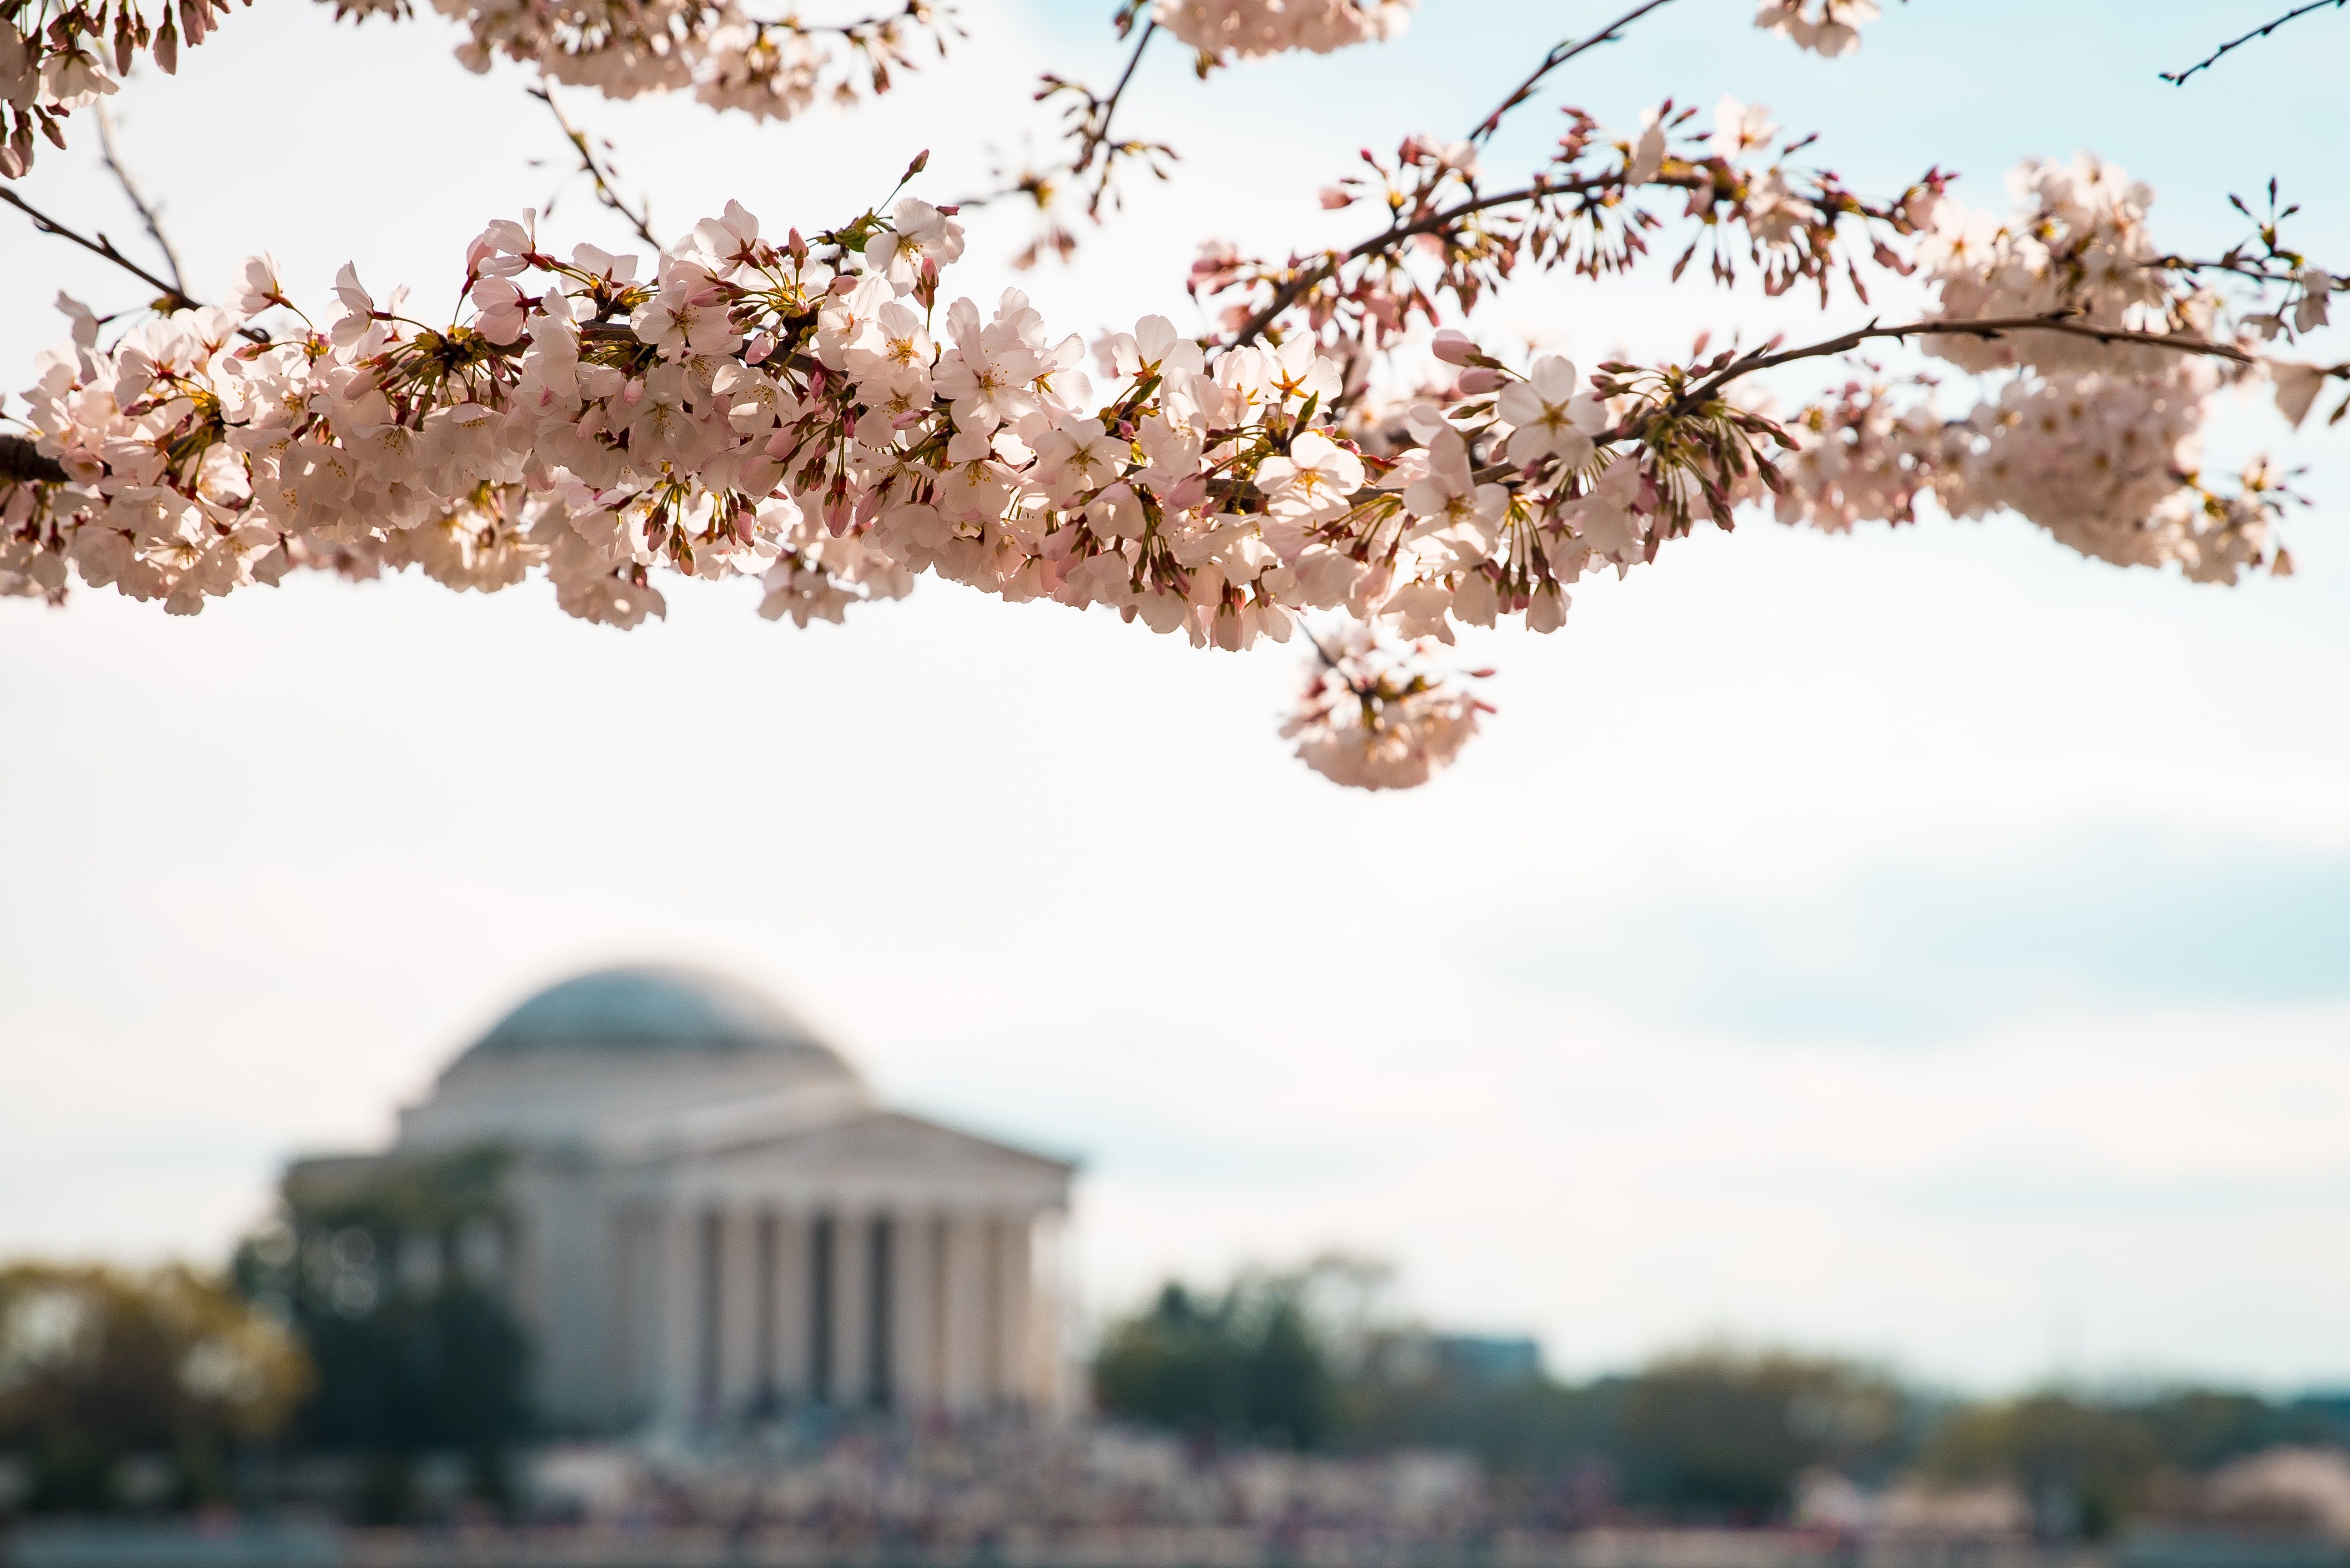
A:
1480	381
1454	347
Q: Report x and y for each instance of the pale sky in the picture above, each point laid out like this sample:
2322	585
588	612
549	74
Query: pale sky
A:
1927	945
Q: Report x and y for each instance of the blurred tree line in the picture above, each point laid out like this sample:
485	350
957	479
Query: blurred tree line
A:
358	1331
1304	1359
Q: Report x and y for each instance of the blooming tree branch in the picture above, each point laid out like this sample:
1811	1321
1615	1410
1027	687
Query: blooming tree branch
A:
728	58
821	414
55	59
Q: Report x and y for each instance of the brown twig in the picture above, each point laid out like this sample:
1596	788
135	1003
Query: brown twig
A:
1099	116
148	213
916	11
639	218
2178	78
1559	55
1987	326
170	294
1288	292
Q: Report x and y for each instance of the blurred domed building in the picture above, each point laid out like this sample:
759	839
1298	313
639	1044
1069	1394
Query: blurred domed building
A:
700	1215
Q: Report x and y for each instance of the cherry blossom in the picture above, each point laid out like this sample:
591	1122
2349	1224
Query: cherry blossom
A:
1829	28
1339	452
1379	714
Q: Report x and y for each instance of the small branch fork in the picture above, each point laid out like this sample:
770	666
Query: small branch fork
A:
170	294
2178	78
1096	142
640	217
148	213
1289	293
1990	327
1566	51
915	11
1094	159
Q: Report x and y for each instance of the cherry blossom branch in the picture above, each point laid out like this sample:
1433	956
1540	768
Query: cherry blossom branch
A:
1096	154
1559	57
1289	292
1987	328
146	212
639	218
919	12
1099	116
170	295
2178	78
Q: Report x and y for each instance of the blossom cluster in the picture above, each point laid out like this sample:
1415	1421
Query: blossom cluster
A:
2094	440
807	414
727	57
1224	29
1376	713
1450	239
818	414
55	59
1829	28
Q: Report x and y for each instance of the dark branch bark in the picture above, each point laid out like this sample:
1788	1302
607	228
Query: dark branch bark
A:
2178	78
639	218
146	212
1987	328
22	461
1559	57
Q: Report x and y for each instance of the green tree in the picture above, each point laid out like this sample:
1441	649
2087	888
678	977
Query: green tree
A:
1722	1433
2062	1450
103	1371
409	1361
1246	1364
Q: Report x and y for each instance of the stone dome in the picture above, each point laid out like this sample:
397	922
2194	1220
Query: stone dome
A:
624	1051
651	1007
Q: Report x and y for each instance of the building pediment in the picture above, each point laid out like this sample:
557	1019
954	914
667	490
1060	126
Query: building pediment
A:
877	1158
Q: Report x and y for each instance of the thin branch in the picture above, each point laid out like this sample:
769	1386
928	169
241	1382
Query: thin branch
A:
1566	51
170	294
1096	132
1289	293
639	218
1095	153
2178	78
1990	327
916	11
148	213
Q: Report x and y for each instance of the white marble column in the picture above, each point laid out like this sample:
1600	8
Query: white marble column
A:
913	1295
625	1357
1012	1292
738	1313
678	1319
825	1249
851	1269
792	1367
963	1380
1048	1361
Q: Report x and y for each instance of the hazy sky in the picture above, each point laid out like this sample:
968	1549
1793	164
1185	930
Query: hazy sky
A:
1927	945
